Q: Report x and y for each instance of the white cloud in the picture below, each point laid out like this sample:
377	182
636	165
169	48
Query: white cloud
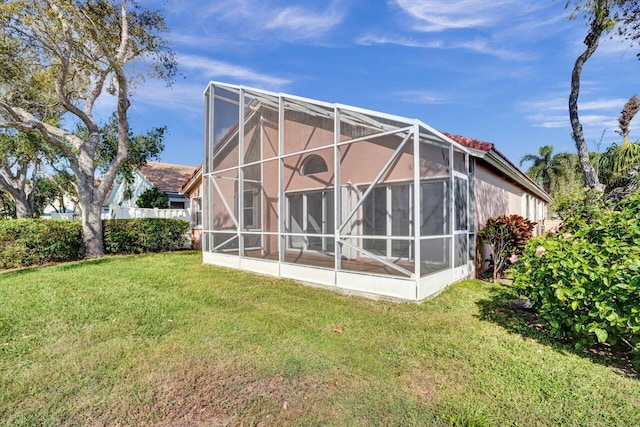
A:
182	97
438	15
185	97
481	46
372	39
485	47
292	22
307	23
596	115
213	69
562	104
422	97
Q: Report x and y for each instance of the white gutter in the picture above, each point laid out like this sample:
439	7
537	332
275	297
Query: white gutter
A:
497	160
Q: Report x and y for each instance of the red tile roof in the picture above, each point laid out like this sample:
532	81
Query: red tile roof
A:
470	142
188	180
166	176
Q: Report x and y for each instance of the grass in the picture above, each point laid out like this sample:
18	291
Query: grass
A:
162	340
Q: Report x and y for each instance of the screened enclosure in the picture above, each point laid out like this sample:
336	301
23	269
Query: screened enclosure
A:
334	195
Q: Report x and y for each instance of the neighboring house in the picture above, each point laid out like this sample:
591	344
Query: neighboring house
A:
166	176
346	197
192	189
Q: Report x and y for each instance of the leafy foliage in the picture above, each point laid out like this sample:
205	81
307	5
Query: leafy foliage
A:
126	236
25	242
58	58
578	208
506	236
153	198
586	283
550	171
142	148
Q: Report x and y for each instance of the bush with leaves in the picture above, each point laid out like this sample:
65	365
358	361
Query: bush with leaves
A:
153	198
579	207
505	235
128	236
25	242
585	284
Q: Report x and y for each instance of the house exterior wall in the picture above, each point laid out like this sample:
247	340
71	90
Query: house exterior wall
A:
117	197
195	201
495	195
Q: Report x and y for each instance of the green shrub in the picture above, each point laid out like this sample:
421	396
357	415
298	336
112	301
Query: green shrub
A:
127	236
153	198
506	236
586	283
579	207
25	242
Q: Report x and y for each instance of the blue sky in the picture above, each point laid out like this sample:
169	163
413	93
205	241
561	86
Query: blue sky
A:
498	71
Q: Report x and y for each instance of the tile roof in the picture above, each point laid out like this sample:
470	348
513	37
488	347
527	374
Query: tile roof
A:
470	142
166	176
186	183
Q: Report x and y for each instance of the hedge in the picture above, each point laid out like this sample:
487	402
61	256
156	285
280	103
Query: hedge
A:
132	236
25	242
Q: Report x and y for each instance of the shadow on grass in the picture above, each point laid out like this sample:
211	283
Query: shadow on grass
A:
500	309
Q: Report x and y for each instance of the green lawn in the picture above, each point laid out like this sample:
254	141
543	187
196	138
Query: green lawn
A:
161	339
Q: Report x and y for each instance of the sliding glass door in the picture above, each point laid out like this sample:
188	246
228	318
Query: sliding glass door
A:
311	213
388	212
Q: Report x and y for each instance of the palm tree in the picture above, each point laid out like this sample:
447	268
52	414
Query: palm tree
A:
618	160
549	170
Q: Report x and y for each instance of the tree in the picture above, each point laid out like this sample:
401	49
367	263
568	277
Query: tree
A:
598	12
142	148
549	170
603	16
73	52
153	198
618	160
22	155
7	206
56	190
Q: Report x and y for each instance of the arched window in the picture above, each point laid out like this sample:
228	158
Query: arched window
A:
312	165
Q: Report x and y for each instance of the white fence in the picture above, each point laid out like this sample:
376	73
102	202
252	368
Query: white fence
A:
121	212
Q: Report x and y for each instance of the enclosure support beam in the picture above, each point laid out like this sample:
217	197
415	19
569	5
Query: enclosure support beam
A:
224	202
281	199
377	258
240	194
417	205
337	190
375	181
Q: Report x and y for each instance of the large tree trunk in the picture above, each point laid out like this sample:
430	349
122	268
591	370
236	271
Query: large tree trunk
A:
16	186
592	40
91	224
24	209
90	200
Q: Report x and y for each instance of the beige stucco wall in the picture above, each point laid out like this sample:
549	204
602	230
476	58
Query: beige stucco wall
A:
496	195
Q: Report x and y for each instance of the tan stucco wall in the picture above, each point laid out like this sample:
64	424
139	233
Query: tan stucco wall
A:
494	195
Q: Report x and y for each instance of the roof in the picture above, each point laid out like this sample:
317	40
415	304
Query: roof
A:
501	162
193	179
470	142
167	177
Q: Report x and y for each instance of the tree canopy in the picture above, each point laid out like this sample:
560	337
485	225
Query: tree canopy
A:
603	16
59	57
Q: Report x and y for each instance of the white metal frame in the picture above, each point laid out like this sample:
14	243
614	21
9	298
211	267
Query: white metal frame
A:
411	131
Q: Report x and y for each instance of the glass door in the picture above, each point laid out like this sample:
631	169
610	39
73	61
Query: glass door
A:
387	211
311	213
